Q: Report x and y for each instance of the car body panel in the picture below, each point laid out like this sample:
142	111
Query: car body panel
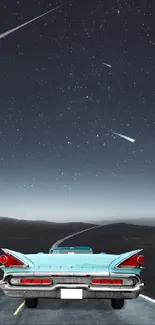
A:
113	265
72	271
73	263
63	262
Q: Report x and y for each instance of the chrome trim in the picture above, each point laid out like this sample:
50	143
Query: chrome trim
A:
127	281
108	288
6	286
5	250
18	283
125	289
52	273
124	259
128	276
67	273
125	275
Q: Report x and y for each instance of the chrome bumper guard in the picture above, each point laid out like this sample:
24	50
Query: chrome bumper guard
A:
94	292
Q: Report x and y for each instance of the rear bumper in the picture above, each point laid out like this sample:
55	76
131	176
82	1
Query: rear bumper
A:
89	292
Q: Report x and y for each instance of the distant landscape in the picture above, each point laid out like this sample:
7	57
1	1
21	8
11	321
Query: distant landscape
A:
33	236
115	238
148	221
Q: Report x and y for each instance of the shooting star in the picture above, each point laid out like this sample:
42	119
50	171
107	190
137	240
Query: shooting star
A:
107	65
124	137
30	21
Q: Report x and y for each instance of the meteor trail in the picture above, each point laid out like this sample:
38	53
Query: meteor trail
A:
28	22
124	137
107	65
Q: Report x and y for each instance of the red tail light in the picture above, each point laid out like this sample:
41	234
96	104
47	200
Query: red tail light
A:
25	281
46	281
8	261
134	261
141	259
3	259
36	281
107	281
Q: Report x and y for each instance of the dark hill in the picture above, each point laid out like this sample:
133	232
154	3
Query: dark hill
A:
33	236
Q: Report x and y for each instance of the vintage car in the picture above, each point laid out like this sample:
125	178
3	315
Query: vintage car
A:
72	273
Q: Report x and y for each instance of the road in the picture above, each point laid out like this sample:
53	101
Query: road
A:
139	311
57	243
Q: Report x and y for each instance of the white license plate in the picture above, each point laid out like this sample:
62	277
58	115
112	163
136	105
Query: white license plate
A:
71	294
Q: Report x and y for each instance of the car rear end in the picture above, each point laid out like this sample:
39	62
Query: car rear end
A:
96	276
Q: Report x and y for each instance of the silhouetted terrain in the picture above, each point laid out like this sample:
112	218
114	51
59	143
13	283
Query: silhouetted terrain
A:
147	221
35	236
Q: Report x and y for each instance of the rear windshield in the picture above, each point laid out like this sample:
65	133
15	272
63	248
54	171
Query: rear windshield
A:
76	251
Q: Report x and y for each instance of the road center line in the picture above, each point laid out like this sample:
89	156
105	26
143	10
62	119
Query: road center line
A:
19	308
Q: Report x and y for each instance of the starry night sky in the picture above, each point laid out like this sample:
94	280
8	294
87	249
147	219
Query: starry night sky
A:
59	104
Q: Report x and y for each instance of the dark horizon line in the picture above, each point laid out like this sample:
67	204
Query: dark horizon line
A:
137	221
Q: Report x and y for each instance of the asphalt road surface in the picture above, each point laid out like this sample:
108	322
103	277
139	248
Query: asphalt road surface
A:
139	311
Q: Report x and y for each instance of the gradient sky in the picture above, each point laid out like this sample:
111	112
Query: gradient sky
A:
59	104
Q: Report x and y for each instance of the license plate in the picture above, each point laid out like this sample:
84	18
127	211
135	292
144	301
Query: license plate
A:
71	294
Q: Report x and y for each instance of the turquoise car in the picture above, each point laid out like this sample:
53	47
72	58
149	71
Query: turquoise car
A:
72	273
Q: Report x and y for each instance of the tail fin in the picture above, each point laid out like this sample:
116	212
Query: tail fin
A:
14	259
128	261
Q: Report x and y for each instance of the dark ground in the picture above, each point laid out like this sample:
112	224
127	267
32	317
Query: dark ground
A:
32	237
